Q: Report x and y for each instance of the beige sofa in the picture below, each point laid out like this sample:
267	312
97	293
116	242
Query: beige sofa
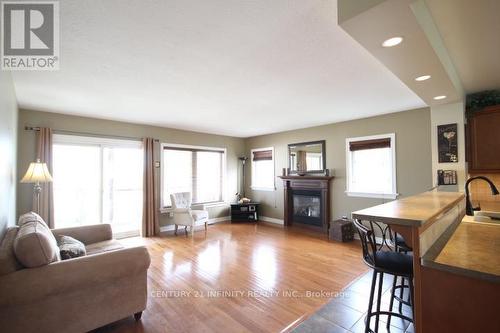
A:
74	295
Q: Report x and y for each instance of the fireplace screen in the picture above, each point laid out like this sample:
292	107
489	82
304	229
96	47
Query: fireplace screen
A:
307	208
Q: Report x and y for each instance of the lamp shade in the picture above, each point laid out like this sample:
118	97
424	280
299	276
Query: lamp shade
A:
37	173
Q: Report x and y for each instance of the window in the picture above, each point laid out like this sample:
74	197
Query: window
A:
199	170
98	180
314	161
263	169
371	166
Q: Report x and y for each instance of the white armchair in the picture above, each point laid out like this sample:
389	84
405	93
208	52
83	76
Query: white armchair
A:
184	215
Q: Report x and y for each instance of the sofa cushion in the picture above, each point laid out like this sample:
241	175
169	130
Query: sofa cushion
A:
70	247
105	246
35	245
8	260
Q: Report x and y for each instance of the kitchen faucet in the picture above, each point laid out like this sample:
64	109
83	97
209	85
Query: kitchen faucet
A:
469	210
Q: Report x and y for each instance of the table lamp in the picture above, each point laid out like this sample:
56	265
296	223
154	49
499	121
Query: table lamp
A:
37	173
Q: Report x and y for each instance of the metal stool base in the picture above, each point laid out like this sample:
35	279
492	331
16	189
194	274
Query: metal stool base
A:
377	313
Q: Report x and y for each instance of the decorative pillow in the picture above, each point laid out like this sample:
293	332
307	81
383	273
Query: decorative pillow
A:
30	217
35	245
8	261
70	247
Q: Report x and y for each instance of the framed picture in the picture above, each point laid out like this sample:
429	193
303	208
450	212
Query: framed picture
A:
447	143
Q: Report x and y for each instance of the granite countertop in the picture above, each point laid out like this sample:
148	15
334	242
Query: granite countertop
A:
414	211
470	248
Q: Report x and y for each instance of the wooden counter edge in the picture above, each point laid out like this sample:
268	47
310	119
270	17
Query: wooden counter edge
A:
405	221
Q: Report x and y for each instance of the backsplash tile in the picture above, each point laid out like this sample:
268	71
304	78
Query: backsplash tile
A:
481	192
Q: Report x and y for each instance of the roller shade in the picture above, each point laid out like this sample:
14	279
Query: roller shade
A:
263	155
194	149
370	144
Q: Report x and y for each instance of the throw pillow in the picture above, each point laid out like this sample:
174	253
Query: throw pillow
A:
31	217
8	260
70	247
35	245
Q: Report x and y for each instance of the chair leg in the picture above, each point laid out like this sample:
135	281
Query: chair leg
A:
192	230
379	298
391	302
370	302
138	316
186	229
206	226
408	298
412	295
176	227
401	294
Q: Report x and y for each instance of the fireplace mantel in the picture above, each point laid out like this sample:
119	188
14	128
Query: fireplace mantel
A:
308	182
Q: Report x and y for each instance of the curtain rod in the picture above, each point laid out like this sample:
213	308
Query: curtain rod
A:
36	129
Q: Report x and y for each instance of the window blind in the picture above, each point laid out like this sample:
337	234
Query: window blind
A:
195	170
370	144
263	155
194	149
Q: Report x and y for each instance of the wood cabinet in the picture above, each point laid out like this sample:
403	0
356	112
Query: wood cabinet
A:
483	140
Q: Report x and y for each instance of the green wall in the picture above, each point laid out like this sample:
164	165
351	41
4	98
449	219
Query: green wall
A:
235	147
413	157
413	153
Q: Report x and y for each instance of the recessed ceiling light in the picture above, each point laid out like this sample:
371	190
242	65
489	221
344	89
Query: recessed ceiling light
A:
423	78
437	98
392	41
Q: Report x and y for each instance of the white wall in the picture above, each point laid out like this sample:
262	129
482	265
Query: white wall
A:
8	151
442	115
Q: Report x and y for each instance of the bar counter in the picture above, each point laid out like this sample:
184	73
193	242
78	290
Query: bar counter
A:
456	261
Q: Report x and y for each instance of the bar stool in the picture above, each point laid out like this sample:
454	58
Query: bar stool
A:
391	262
399	244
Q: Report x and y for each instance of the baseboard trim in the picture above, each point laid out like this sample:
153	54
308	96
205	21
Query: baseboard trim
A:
271	220
171	227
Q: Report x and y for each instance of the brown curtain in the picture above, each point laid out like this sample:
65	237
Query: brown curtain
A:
150	210
44	153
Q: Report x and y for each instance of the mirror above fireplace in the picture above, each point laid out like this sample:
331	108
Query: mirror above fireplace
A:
307	157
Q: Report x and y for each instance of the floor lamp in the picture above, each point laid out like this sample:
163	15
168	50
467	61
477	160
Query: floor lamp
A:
37	173
243	162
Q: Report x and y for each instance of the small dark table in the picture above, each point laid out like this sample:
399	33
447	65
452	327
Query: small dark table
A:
245	212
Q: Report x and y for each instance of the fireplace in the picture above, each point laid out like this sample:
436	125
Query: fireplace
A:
307	207
307	200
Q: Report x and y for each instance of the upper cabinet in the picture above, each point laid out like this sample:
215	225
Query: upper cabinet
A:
483	140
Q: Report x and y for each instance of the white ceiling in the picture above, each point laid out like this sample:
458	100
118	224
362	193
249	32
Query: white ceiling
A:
471	33
422	51
239	68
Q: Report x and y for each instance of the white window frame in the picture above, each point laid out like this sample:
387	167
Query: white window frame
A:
394	194
257	188
166	209
103	142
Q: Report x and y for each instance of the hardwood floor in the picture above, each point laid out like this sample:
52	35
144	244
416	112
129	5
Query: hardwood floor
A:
240	278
